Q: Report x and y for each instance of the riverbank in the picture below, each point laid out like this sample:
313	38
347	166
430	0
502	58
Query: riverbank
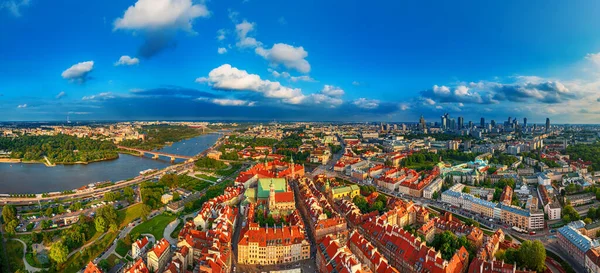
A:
35	178
47	162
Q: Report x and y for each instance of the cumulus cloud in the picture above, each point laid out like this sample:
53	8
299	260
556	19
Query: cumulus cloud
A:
61	95
222	50
332	91
593	57
287	75
159	20
78	72
356	83
366	103
100	96
289	56
226	77
14	6
525	89
126	60
243	30
22	105
232	102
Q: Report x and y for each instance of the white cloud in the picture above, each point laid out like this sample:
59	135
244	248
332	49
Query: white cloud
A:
104	95
366	103
291	57
404	106
221	34
226	77
61	94
287	75
332	91
22	105
355	83
441	89
126	60
161	14
320	98
222	50
79	71
14	6
233	15
429	101
232	102
593	57
242	30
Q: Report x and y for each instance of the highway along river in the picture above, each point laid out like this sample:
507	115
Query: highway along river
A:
37	178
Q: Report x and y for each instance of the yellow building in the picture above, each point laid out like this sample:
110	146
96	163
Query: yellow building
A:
273	245
347	192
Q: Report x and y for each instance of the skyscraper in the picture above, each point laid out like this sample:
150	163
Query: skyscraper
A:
493	123
444	121
482	123
470	124
461	123
524	122
547	125
422	124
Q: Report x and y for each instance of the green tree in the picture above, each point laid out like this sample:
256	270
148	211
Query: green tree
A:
587	220
48	212
532	255
11	227
9	213
466	190
60	209
100	224
59	252
146	211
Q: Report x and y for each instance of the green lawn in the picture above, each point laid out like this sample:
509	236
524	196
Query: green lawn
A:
112	260
175	232
81	258
14	252
230	171
122	248
210	178
154	226
126	216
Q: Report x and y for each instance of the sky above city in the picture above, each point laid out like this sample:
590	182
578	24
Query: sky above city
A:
299	60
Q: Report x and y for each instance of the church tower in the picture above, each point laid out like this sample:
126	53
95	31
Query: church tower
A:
271	196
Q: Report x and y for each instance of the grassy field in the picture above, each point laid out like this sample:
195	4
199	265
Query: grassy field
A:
126	216
175	232
14	251
154	226
122	248
81	258
209	178
230	171
112	260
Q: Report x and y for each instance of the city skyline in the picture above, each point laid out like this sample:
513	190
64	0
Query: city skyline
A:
245	60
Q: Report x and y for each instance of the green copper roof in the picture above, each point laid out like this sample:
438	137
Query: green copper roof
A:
264	186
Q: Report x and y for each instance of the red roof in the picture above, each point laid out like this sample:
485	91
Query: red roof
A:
138	267
160	247
284	197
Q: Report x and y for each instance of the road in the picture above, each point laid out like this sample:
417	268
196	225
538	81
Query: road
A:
28	267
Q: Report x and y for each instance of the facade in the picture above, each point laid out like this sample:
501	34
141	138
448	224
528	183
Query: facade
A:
347	192
573	242
592	261
159	256
139	247
273	245
432	188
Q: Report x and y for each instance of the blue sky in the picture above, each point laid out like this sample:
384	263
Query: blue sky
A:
299	60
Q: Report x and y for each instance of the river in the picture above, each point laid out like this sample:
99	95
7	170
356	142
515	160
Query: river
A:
37	178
